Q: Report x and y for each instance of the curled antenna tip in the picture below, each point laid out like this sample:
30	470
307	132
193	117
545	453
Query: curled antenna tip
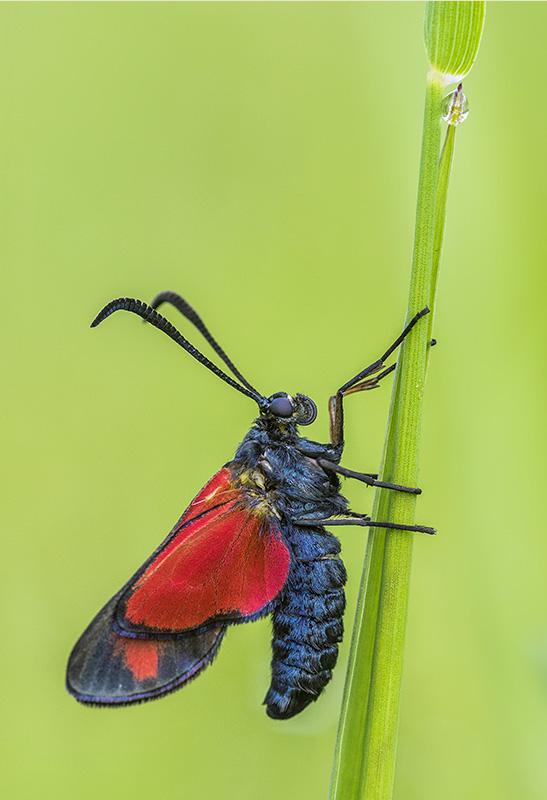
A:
121	303
103	314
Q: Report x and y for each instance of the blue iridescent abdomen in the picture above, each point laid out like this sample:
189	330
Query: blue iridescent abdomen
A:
307	623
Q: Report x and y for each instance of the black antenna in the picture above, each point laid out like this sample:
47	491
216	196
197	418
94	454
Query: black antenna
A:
147	313
191	314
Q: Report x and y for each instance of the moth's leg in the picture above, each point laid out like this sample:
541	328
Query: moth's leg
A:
364	522
361	382
336	407
377	365
365	477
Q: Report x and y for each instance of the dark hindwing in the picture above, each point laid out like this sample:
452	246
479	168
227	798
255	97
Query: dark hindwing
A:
112	670
307	623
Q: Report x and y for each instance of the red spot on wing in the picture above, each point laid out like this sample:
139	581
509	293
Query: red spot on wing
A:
224	560
141	656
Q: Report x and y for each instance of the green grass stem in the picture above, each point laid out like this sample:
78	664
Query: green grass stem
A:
364	763
367	738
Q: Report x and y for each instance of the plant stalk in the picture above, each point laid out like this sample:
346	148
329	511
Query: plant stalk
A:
367	737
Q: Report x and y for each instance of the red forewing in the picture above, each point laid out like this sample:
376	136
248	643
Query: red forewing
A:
224	561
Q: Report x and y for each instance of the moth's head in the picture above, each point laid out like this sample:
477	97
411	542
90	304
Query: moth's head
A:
283	408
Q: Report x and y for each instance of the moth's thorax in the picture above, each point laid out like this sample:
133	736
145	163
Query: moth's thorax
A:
283	430
280	474
252	480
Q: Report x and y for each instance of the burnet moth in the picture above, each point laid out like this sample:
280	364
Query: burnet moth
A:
252	542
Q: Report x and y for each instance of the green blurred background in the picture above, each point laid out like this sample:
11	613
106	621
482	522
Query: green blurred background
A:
262	159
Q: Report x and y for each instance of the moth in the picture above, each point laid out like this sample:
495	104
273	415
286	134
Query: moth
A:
253	542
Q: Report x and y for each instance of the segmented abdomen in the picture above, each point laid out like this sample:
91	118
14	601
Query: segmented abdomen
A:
307	623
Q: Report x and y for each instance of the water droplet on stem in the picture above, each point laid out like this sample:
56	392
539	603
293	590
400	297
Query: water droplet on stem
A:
455	107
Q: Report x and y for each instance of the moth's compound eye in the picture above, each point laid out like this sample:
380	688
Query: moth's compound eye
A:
281	407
